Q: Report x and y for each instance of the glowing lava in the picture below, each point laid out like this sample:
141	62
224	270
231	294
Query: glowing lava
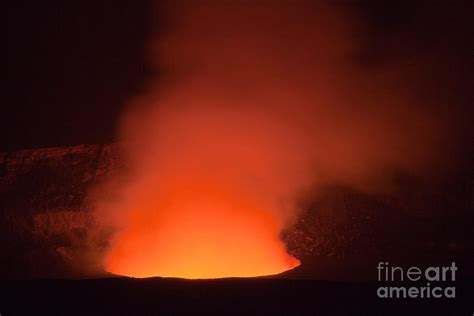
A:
206	198
206	235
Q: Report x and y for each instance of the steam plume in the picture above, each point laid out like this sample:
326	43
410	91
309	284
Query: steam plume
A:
254	103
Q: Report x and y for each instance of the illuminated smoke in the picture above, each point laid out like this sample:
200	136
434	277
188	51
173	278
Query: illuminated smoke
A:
253	104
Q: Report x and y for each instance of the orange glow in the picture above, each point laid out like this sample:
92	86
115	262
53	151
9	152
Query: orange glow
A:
200	237
204	204
251	107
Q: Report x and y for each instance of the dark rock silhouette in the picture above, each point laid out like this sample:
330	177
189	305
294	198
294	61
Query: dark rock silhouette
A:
48	227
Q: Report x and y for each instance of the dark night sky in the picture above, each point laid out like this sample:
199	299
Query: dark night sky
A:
72	65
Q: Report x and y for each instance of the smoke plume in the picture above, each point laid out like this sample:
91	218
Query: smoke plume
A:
252	103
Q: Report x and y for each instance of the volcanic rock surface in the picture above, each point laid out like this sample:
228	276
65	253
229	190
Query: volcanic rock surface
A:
48	227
